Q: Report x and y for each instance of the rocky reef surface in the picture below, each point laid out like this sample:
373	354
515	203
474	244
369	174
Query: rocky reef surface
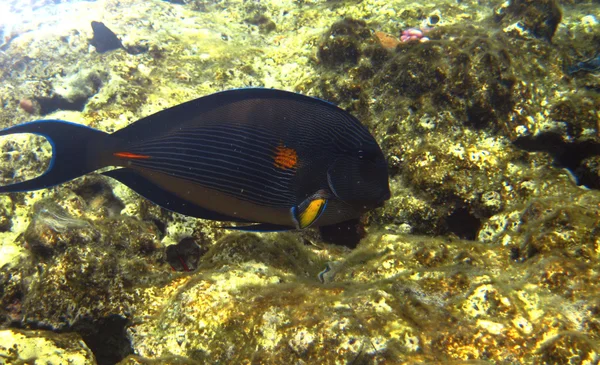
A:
487	253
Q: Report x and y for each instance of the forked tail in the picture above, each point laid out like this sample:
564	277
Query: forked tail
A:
74	152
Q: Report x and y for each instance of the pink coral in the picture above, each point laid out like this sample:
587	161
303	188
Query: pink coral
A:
414	34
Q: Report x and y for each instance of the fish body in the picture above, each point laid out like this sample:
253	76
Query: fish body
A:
280	159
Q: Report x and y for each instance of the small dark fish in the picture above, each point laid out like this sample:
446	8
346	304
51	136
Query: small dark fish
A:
104	39
284	160
590	65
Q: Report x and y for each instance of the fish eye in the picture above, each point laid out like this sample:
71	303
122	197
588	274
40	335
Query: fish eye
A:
361	154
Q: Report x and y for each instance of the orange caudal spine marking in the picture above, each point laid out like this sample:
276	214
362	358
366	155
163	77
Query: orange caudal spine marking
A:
285	157
130	155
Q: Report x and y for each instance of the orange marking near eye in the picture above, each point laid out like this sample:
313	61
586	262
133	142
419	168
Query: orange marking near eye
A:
131	155
285	157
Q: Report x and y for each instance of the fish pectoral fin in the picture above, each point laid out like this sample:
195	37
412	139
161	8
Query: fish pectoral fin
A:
261	227
309	211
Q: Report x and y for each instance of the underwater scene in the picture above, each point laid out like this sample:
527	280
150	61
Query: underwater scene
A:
300	182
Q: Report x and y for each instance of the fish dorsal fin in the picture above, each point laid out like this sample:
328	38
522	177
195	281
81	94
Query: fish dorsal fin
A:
309	211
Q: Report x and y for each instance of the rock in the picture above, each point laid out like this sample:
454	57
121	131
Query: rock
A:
73	91
80	252
184	256
342	44
45	347
395	297
264	23
538	18
27	105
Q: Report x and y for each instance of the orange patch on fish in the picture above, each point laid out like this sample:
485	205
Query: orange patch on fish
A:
130	155
285	157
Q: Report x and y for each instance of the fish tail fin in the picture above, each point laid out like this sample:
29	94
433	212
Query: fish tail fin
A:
74	152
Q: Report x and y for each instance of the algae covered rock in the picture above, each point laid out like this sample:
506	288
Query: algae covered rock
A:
343	43
43	347
539	18
83	275
394	299
78	250
453	114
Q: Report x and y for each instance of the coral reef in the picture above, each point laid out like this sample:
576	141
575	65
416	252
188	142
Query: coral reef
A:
487	251
395	299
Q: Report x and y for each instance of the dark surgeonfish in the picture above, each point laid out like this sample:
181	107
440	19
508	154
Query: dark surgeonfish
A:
276	158
104	39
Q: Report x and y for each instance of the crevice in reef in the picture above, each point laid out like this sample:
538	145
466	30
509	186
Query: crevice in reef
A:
106	338
569	155
463	224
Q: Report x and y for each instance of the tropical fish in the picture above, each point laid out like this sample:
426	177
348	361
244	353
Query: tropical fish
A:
276	158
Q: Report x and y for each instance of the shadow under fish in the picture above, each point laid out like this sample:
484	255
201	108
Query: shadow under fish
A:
275	158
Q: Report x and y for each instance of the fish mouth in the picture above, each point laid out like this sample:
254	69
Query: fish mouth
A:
384	197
